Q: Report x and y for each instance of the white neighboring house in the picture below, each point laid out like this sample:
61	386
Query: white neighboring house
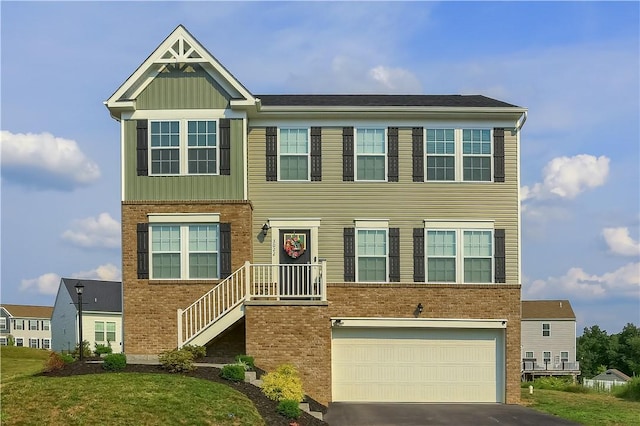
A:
548	339
101	315
29	325
607	380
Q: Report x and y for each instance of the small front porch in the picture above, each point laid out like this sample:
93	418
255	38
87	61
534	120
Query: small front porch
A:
224	304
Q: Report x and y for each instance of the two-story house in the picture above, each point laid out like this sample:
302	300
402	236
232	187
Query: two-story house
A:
101	315
548	339
28	325
371	240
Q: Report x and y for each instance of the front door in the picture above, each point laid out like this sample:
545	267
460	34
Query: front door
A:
295	261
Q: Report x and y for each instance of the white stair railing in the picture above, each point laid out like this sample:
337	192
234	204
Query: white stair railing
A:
212	306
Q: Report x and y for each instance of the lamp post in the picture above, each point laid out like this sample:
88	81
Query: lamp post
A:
79	289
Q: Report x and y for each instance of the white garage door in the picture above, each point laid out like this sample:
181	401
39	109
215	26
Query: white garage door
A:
417	365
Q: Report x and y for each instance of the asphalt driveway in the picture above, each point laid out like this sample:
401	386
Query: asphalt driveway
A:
372	414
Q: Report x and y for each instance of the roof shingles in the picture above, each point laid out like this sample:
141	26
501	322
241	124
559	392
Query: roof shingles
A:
383	101
547	309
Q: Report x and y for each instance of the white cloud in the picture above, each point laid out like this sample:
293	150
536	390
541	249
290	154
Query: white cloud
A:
44	284
107	272
567	177
395	80
43	161
103	231
579	284
620	242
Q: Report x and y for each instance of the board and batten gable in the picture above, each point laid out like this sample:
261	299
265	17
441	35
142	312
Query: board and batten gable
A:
183	187
405	204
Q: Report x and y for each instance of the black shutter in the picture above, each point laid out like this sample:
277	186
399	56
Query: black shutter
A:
316	154
418	255
498	155
225	250
394	255
347	154
392	155
349	255
418	154
142	147
272	154
225	146
143	250
499	258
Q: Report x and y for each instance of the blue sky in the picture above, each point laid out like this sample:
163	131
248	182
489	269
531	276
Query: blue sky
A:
574	65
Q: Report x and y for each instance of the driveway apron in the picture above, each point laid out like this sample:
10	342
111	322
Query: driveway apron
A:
409	414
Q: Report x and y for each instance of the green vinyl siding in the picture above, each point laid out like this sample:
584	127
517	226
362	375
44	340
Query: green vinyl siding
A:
192	88
406	204
184	187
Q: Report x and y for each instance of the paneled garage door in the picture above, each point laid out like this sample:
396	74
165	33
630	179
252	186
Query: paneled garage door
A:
417	365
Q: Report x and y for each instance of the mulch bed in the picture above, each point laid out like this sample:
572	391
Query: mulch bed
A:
265	406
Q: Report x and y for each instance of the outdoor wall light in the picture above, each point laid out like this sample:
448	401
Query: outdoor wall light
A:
338	322
419	308
265	229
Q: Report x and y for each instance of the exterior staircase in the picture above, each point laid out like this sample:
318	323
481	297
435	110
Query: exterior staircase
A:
224	304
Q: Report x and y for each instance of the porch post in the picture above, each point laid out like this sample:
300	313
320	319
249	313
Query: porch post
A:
180	342
323	280
247	277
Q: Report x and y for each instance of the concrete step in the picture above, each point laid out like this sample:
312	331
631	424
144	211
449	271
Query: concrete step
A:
304	406
250	376
317	414
257	383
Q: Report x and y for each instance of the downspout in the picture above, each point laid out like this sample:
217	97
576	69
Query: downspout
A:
519	124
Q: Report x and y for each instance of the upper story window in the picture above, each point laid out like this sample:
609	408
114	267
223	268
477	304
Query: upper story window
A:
184	251
18	324
371	154
461	155
459	255
46	324
546	330
33	324
476	154
3	322
294	154
183	147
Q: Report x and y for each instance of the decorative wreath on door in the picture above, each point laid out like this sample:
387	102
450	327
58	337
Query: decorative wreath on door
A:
294	245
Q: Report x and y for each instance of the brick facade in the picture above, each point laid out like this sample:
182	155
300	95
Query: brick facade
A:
302	334
150	306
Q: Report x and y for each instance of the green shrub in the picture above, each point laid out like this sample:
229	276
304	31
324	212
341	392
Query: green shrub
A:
177	360
289	408
552	383
630	391
86	350
11	341
115	362
284	383
101	349
233	372
246	360
54	362
196	351
67	358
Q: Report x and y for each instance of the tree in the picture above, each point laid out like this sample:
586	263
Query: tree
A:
627	357
592	350
597	351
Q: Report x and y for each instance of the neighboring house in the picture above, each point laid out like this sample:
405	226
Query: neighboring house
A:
28	325
548	339
101	315
607	380
371	240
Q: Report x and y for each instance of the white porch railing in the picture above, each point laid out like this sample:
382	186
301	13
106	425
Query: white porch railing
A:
252	282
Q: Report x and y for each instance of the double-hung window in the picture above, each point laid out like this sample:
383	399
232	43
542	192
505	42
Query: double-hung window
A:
34	343
18	324
99	331
19	341
184	250
183	147
3	322
546	330
371	154
3	341
372	250
546	357
441	154
111	331
294	154
564	356
476	154
33	324
459	252
46	343
528	354
46	324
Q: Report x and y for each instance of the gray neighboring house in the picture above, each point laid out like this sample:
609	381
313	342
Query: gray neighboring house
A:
101	315
606	380
548	339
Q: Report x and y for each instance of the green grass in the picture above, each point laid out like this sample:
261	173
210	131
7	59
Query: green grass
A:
19	361
589	409
114	398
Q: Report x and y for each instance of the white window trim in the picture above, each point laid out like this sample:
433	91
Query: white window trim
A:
106	331
4	341
533	354
385	154
548	329
566	358
459	155
46	325
36	340
183	220
21	339
48	345
18	321
183	148
36	323
308	154
459	227
375	225
95	330
3	322
550	356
